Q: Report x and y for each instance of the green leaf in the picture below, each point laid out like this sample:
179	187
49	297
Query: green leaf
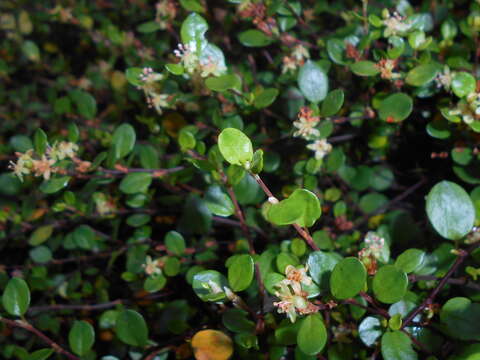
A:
265	98
16	297
348	278
422	74
396	107
40	235
41	254
312	335
461	317
131	328
175	243
133	76
320	266
333	102
40	141
31	50
135	183
209	284
193	32
240	272
410	260
223	82
390	284
81	337
154	283
218	202
148	27
369	330
254	38
84	237
257	162
313	82
42	354
175	69
397	346
192	5
301	207
86	104
463	83
450	210
235	146
364	68
53	185
123	140
236	320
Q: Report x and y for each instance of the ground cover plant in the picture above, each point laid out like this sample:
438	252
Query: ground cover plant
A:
239	179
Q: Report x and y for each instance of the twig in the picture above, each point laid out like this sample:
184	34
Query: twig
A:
23	324
462	255
462	281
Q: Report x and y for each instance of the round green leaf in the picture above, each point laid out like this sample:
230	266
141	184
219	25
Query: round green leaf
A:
312	335
193	32
265	98
390	284
135	183
131	328
422	74
16	297
240	272
313	82
333	102
320	266
222	83
348	278
40	235
53	185
463	83
133	75
235	146
175	243
301	207
123	140
81	337
154	283
410	260
209	284
236	320
369	330
41	254
254	38
461	317
42	354
396	107
85	103
218	202
450	210
397	346
364	68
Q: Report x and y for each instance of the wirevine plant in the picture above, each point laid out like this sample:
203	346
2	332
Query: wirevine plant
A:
240	179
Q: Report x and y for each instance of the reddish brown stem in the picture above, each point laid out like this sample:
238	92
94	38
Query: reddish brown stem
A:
26	326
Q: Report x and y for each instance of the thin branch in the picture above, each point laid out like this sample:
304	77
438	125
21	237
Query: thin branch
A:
459	281
23	324
462	255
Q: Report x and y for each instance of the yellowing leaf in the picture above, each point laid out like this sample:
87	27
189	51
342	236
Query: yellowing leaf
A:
212	345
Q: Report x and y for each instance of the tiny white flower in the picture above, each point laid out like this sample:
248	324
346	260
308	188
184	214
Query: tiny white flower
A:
321	148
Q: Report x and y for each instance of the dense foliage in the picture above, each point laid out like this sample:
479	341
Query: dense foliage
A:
240	179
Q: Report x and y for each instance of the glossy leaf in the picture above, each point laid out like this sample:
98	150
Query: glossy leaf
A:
302	207
123	140
313	82
16	297
312	335
348	278
450	210
333	102
131	328
396	107
212	345
397	346
81	337
235	146
240	272
389	284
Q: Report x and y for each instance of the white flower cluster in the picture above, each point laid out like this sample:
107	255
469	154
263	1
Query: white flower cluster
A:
192	63
155	99
468	109
293	300
395	24
27	163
